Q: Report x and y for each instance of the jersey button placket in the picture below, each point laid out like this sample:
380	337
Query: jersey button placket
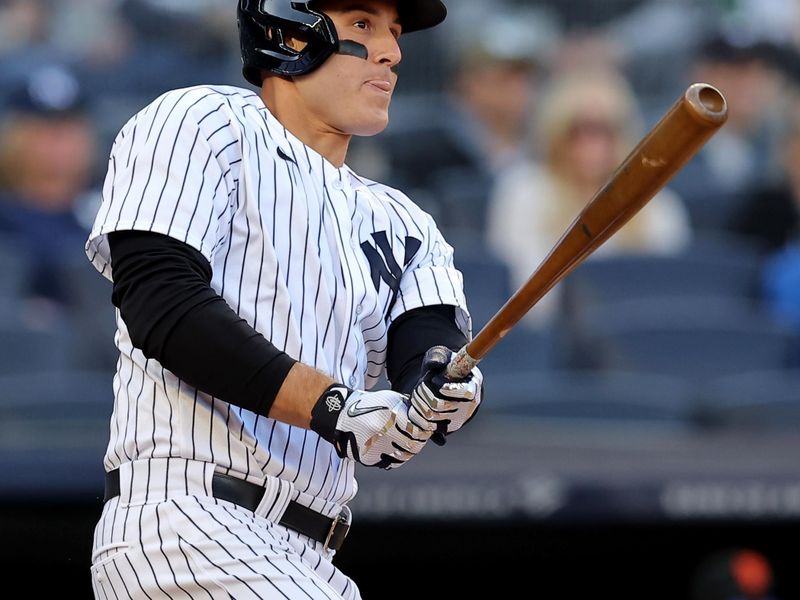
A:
342	203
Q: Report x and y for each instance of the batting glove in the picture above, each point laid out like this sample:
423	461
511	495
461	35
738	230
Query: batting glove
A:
372	428
447	403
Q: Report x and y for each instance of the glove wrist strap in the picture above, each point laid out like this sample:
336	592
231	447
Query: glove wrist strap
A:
325	415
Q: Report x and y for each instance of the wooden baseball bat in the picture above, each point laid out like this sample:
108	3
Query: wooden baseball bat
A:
666	148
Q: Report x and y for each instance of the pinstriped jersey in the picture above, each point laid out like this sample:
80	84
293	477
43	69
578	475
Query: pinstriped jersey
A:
316	258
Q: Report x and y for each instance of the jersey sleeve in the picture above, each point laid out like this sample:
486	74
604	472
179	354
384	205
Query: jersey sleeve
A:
171	171
431	278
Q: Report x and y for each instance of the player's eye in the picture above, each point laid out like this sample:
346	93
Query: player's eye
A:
361	24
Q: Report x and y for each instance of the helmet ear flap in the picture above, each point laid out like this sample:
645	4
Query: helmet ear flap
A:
285	38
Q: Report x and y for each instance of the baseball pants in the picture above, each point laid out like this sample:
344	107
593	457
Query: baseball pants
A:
169	538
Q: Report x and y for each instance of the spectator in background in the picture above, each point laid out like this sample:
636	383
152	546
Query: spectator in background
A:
492	91
739	156
588	49
24	40
47	163
586	125
653	29
150	46
139	49
21	23
480	126
781	288
770	215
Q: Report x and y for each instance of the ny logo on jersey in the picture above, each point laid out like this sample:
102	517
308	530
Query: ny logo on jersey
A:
382	265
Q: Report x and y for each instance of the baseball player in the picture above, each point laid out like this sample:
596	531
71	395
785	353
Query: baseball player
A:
262	288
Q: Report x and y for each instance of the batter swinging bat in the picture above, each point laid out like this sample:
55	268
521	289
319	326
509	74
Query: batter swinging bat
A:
669	145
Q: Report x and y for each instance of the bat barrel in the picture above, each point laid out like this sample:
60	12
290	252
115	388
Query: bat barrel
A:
695	116
706	104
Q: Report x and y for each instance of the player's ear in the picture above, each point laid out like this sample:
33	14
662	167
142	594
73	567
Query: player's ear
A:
296	41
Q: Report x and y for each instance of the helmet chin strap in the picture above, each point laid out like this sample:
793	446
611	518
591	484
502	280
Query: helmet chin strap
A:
351	48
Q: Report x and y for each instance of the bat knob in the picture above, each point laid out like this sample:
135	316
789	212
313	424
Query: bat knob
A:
437	358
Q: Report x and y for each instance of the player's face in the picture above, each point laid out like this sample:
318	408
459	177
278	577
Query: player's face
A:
348	93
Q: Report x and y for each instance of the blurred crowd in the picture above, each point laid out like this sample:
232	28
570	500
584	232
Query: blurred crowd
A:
506	121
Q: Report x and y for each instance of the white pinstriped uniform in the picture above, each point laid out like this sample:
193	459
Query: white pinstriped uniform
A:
305	252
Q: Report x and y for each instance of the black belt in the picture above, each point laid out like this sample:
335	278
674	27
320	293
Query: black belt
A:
331	532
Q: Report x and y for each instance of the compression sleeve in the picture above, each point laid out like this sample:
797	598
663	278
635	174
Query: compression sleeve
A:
411	335
162	289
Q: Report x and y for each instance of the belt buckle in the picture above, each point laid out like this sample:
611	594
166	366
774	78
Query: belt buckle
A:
343	519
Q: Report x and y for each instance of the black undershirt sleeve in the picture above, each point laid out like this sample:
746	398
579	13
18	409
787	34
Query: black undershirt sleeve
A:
410	337
162	288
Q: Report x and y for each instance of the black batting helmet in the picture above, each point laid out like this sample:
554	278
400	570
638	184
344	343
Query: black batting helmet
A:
264	25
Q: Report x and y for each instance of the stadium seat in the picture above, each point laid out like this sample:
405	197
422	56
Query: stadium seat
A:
707	270
487	283
585	396
61	408
726	245
54	427
524	350
27	350
463	195
698	338
12	310
93	314
13	269
34	331
54	396
766	399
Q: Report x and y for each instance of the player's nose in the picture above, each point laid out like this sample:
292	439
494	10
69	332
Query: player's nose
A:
387	49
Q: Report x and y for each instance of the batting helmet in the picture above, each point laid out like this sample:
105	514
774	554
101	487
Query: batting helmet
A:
264	25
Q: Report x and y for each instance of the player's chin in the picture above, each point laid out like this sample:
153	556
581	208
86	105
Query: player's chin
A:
377	122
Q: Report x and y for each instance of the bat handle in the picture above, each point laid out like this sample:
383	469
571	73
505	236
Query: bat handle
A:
461	364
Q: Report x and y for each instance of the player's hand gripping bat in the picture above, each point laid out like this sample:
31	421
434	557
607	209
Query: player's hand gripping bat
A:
666	148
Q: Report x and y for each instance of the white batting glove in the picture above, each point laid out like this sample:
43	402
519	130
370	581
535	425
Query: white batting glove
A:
446	404
372	428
